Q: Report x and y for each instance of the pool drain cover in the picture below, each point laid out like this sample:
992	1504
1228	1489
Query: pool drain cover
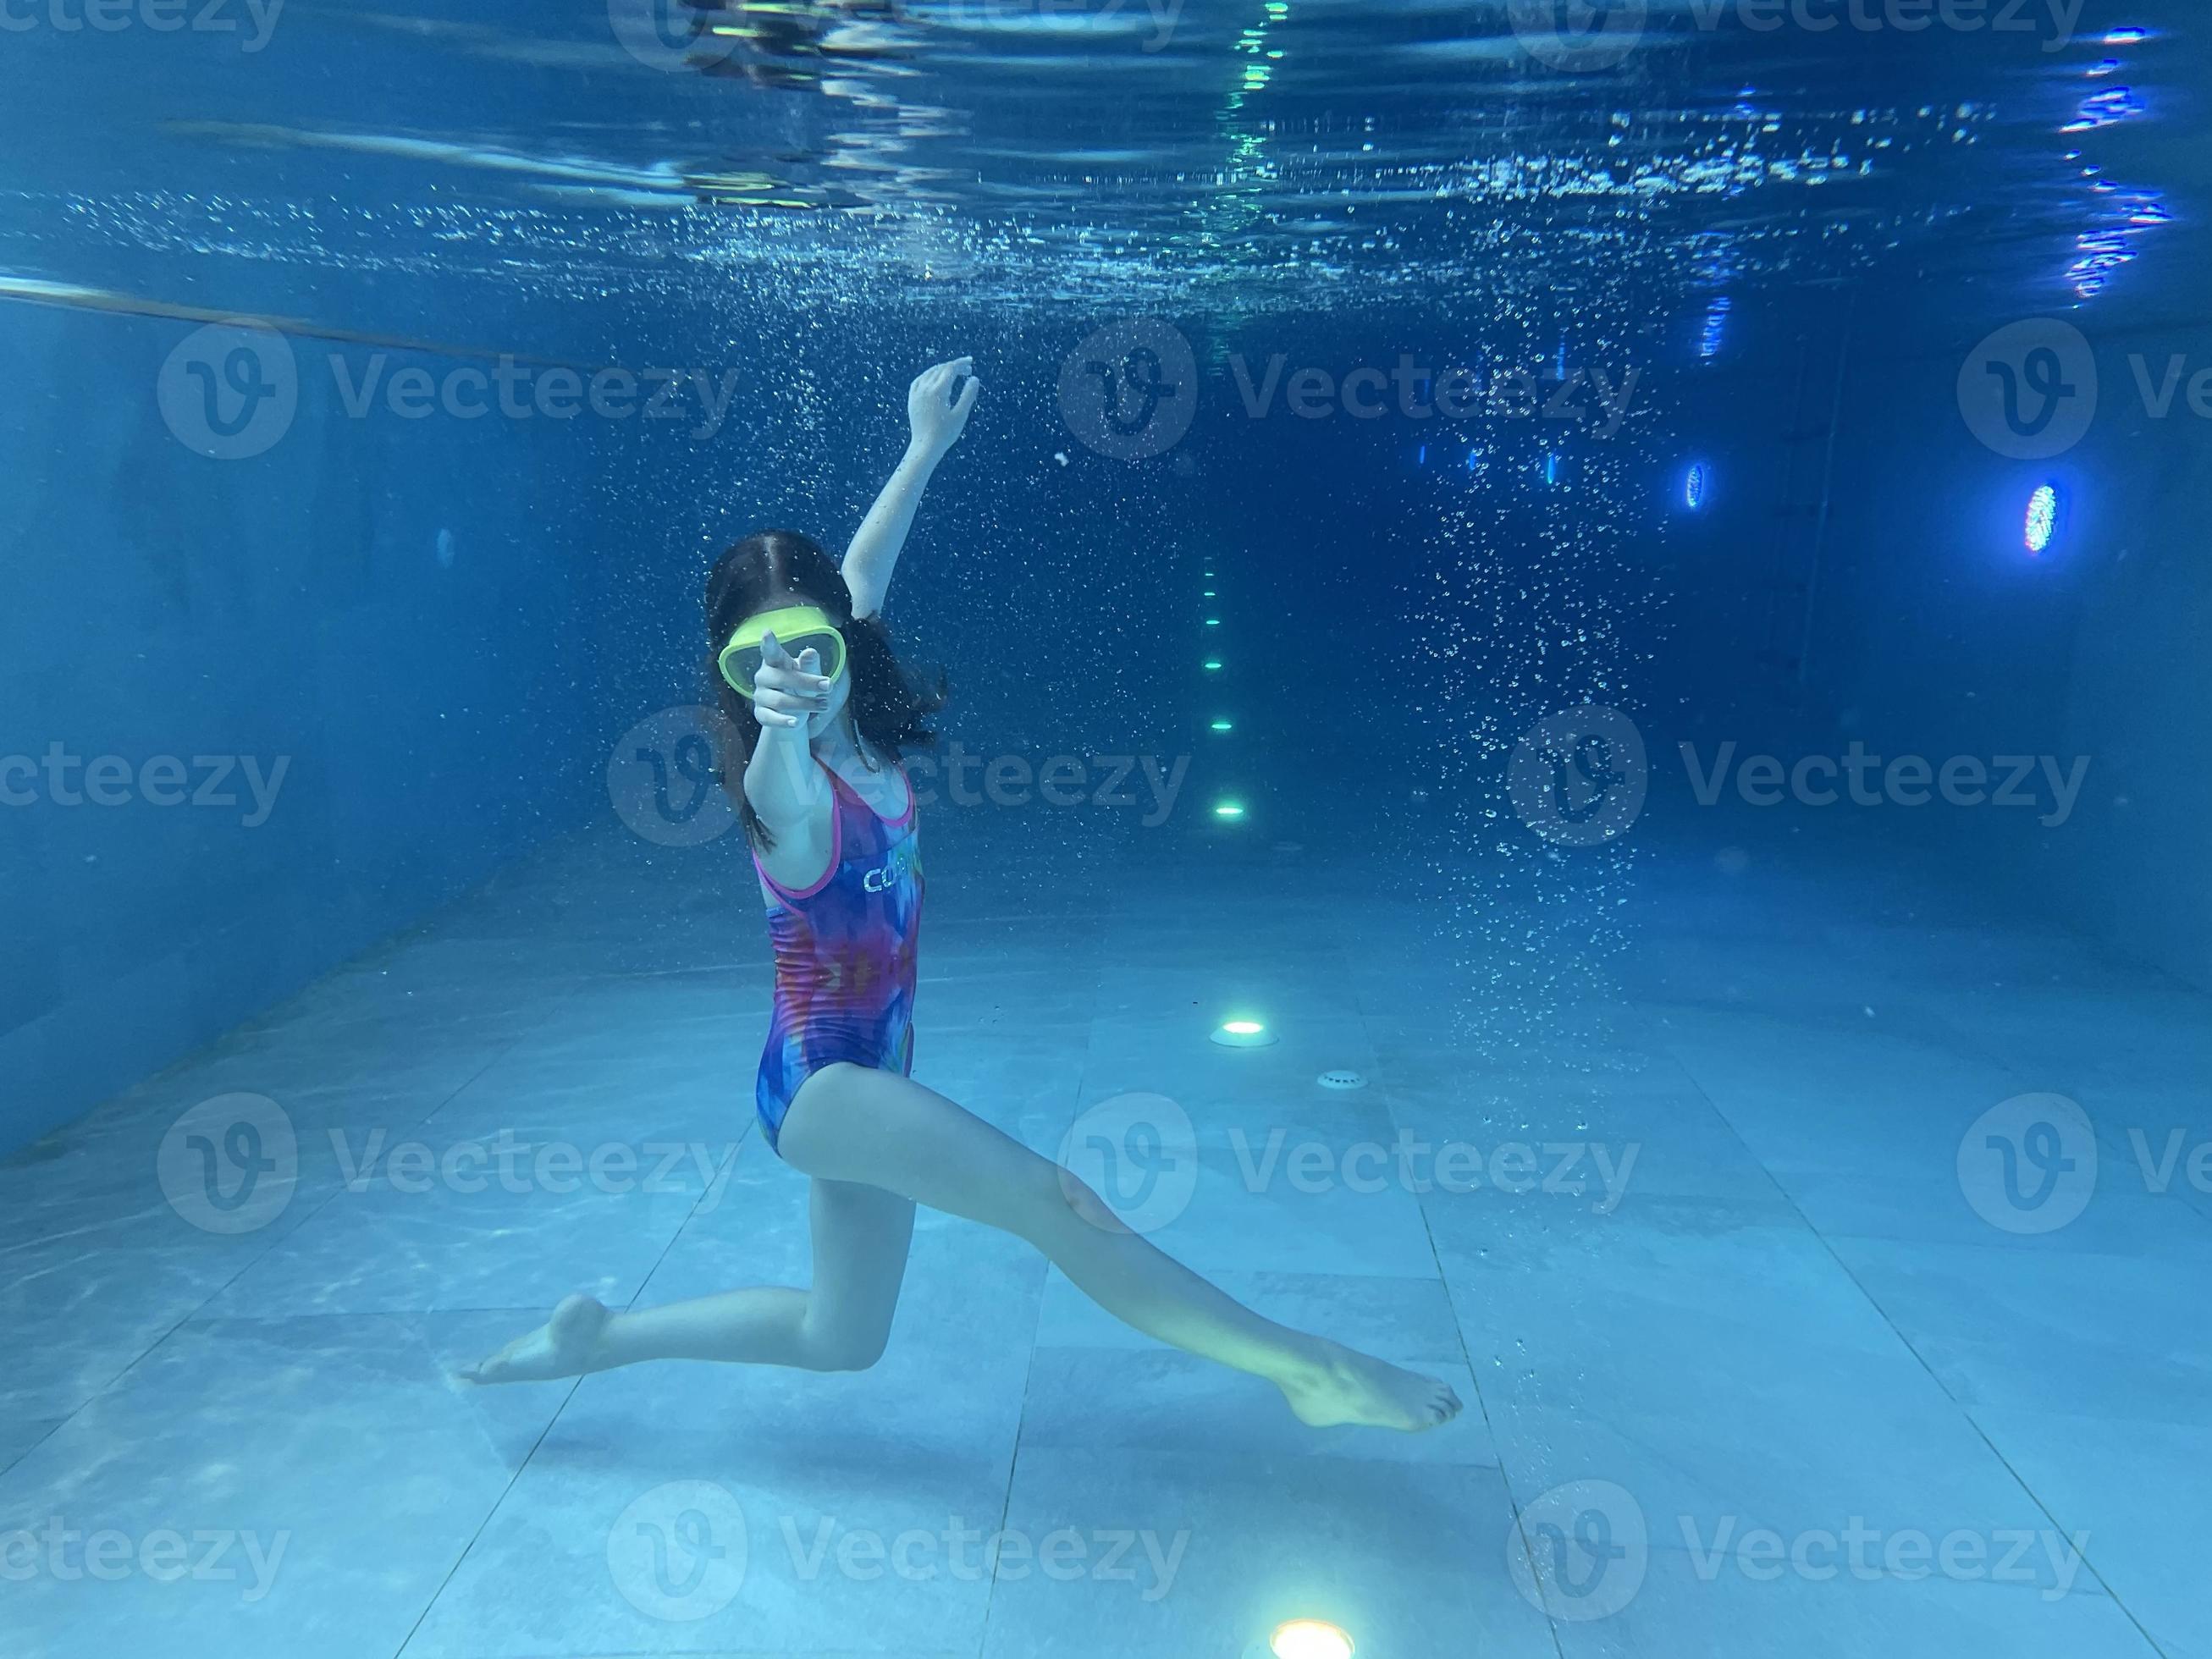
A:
1341	1080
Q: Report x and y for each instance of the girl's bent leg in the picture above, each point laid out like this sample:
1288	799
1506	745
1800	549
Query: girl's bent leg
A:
874	1127
861	1236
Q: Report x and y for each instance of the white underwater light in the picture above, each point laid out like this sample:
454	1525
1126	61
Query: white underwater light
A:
1243	1034
2042	518
1310	1638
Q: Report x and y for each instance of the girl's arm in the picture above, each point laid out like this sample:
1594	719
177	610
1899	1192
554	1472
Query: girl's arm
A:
937	419
782	783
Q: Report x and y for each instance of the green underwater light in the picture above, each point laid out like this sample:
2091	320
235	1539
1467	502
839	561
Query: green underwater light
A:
1229	809
1222	726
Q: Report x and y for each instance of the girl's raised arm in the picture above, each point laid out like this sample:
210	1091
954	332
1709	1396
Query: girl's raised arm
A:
937	405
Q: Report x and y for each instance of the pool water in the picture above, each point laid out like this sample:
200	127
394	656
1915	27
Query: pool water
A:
1574	759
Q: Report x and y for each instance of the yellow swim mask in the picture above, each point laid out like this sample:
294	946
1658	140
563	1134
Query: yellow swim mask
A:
796	628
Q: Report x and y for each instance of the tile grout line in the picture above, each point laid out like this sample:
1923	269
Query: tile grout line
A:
1021	1422
1906	1343
575	1386
1474	1374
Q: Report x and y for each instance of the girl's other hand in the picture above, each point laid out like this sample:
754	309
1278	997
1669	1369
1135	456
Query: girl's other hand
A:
937	417
789	692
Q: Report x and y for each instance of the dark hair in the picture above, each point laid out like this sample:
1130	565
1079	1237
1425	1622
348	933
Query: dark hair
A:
889	705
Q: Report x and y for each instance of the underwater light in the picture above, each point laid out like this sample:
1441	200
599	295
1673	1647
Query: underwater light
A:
1697	485
1715	334
1211	666
1243	1034
1222	726
1213	621
2127	37
1229	809
1310	1638
2042	518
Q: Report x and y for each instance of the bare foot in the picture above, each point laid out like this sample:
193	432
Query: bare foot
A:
568	1345
1356	1388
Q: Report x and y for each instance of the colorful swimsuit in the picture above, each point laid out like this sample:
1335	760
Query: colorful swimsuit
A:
844	955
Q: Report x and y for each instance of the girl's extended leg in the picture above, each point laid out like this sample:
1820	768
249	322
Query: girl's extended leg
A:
861	1235
879	1128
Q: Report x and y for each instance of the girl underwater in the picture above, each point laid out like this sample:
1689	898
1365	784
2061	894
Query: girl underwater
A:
820	712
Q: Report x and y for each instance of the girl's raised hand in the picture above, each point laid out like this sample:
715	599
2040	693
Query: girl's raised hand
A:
937	416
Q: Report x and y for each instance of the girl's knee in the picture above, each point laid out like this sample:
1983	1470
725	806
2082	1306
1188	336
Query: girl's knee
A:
1077	1197
843	1351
